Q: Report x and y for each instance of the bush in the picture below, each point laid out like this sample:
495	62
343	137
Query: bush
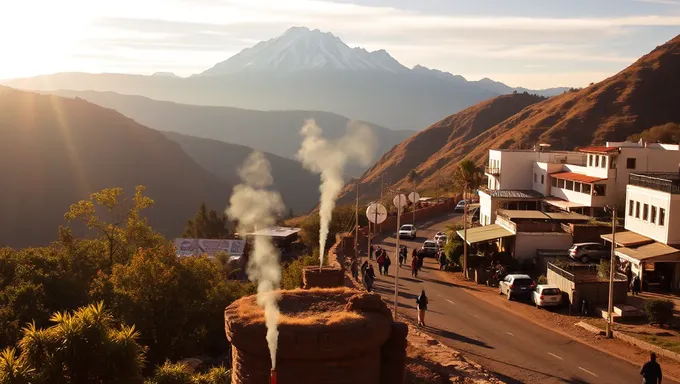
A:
659	311
603	269
542	279
292	272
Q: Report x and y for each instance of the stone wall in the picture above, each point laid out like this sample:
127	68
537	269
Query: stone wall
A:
332	275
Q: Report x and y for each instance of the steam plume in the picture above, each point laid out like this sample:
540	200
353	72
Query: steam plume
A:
255	208
329	159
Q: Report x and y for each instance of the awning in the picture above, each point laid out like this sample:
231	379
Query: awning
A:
573	176
485	233
655	253
628	239
564	204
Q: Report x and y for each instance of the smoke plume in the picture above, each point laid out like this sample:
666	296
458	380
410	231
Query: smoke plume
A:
329	159
255	207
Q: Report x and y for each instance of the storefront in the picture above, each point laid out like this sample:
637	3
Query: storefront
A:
657	265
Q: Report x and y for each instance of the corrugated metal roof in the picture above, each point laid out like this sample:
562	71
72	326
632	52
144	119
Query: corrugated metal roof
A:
567	216
518	214
564	204
514	194
485	233
600	149
628	239
654	252
573	176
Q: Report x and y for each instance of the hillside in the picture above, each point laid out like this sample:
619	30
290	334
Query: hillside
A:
276	132
55	151
639	97
299	188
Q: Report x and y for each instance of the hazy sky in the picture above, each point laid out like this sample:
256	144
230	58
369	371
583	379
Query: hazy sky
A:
533	43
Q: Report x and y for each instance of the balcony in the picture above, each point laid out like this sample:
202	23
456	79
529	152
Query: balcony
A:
492	171
664	182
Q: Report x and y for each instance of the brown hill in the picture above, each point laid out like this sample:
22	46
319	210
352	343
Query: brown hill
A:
428	150
639	97
54	151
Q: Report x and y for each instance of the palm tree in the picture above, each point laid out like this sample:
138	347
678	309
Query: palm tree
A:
467	177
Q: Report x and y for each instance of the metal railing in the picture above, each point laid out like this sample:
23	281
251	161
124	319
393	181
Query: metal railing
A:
492	171
660	181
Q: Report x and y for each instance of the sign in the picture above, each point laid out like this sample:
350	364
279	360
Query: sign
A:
376	213
413	197
194	247
400	201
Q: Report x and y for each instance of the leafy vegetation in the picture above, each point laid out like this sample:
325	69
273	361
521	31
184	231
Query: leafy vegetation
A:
666	133
207	225
343	221
659	311
292	272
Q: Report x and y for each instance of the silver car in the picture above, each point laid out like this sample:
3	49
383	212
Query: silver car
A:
586	252
516	285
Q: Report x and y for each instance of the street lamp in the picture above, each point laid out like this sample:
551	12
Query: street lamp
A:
399	201
612	263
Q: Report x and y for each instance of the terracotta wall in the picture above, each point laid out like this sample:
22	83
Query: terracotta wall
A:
332	275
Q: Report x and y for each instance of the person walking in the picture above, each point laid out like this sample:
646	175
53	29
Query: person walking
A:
364	266
354	267
442	261
369	278
380	259
386	265
401	256
370	252
414	267
421	304
651	371
636	285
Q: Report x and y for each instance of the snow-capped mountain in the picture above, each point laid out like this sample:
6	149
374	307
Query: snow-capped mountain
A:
300	49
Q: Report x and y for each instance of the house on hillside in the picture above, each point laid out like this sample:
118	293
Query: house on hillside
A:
651	242
583	181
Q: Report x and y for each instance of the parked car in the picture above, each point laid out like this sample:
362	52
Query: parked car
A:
547	296
516	285
408	230
460	206
430	248
586	252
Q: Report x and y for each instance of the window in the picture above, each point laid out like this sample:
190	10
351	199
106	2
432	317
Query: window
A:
637	209
542	179
612	163
560	183
570	185
597	161
645	212
653	217
631	204
590	160
586	189
535	178
662	216
599	190
553	182
630	163
604	161
577	187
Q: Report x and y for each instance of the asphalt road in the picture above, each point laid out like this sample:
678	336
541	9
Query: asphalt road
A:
515	349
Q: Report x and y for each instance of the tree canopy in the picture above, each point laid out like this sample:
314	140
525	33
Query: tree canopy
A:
207	225
666	133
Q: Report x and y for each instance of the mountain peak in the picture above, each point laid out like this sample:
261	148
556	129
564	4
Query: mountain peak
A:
300	49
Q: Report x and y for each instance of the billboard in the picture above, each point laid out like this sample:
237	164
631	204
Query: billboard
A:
192	247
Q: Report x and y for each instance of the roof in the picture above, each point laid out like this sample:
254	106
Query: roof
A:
573	176
628	239
567	216
600	149
529	194
276	232
655	252
485	233
538	215
564	204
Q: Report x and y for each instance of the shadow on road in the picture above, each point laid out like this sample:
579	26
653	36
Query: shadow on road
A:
511	380
457	337
446	283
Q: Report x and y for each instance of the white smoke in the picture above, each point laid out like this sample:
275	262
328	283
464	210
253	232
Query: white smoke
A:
256	208
329	159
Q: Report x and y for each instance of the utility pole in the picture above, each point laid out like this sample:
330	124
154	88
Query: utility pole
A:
415	202
382	184
465	241
612	263
356	218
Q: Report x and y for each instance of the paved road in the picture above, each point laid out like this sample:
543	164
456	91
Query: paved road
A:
515	349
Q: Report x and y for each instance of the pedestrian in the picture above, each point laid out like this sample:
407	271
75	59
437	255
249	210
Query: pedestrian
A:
651	371
364	266
442	261
386	265
414	253
369	278
370	252
421	257
405	253
636	285
421	303
414	267
380	259
354	267
401	256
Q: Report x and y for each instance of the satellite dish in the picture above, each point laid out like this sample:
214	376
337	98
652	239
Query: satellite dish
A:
376	213
400	201
413	197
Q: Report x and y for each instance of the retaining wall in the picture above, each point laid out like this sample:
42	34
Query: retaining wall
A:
332	275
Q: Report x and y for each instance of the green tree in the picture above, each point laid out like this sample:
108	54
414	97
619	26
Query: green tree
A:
124	229
292	272
467	177
343	220
207	225
14	369
666	133
178	373
83	347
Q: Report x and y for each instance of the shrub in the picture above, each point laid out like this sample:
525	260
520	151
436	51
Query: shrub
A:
292	272
659	311
542	279
603	269
178	373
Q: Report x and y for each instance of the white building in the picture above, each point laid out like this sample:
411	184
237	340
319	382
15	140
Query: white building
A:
651	242
584	181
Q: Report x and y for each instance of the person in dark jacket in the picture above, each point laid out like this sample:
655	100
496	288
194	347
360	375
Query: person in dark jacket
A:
421	303
380	259
651	371
354	267
369	277
386	265
636	285
363	268
370	252
414	267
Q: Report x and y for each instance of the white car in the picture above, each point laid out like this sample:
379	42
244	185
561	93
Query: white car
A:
516	285
407	230
547	296
460	207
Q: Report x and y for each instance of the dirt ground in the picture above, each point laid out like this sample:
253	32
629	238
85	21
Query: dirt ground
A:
564	324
